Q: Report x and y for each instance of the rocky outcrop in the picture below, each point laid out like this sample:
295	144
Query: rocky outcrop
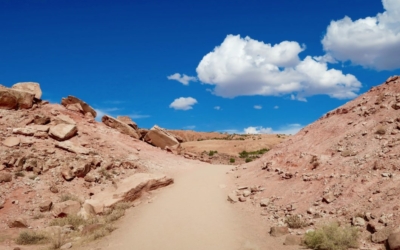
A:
15	99
62	132
30	87
128	120
120	126
76	104
159	137
129	189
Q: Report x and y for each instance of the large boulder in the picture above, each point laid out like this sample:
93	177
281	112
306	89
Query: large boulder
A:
62	132
18	223
127	120
66	208
15	99
128	189
30	87
120	126
71	100
159	137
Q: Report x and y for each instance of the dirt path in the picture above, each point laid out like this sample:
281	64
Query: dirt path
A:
193	213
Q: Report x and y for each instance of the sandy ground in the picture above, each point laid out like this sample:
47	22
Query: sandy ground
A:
193	213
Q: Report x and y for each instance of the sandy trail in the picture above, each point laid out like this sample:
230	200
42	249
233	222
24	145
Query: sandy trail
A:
193	213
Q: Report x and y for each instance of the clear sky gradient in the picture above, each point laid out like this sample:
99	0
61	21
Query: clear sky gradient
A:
250	66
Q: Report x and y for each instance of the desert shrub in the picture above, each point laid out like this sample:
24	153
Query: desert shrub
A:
57	240
248	160
71	219
122	205
252	154
32	177
30	238
232	160
332	237
295	221
114	215
211	153
105	173
103	231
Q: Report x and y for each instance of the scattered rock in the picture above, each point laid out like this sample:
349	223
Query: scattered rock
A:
18	223
71	147
74	100
232	197
66	246
66	208
120	126
41	119
5	177
11	142
45	206
328	198
264	202
159	137
279	231
62	132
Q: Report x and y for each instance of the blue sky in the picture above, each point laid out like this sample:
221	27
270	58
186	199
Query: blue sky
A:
251	66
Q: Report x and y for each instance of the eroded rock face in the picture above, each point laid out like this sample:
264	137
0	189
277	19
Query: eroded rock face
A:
159	137
394	241
30	87
62	132
120	126
72	100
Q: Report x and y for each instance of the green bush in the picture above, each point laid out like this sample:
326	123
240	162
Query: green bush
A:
248	160
211	153
30	238
232	160
332	237
74	220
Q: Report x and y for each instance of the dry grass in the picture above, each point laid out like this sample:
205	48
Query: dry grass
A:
57	240
38	216
332	237
69	197
101	232
114	215
31	238
295	221
74	220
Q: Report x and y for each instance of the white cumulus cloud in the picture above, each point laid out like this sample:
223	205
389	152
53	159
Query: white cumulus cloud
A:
217	108
245	67
184	79
289	129
257	106
372	42
183	103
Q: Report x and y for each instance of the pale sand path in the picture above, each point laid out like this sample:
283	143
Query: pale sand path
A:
191	214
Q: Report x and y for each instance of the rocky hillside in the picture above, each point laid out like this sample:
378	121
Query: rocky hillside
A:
345	166
57	161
